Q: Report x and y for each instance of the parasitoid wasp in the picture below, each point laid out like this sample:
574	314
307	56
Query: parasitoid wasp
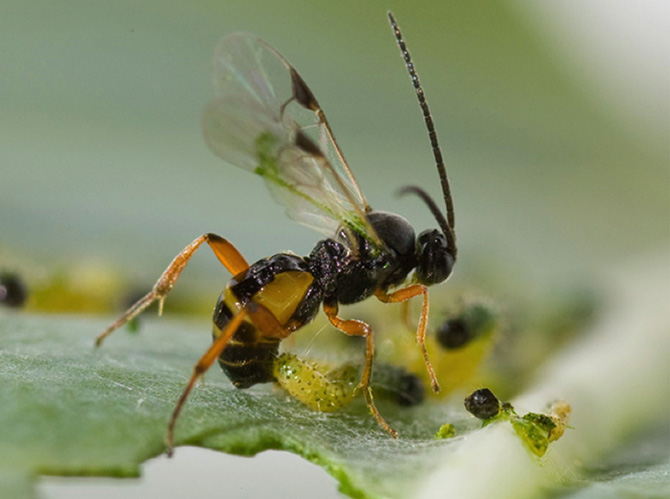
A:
265	119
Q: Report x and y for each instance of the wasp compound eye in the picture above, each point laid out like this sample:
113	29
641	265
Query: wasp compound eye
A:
435	262
482	404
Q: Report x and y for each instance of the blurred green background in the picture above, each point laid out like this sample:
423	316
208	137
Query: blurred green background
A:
553	122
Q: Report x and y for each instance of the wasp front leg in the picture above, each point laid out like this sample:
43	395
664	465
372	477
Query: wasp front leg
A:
224	251
403	295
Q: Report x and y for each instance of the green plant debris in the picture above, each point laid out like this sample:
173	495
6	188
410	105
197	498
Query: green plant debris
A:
536	430
447	430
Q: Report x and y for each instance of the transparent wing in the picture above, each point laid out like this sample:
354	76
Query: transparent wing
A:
265	119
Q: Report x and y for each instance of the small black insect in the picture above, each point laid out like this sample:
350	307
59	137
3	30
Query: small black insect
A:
13	292
398	385
265	119
475	321
483	404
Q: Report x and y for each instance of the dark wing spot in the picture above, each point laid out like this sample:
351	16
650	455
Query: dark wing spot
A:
307	144
302	93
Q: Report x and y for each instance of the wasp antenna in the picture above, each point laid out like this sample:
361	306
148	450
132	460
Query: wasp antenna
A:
437	153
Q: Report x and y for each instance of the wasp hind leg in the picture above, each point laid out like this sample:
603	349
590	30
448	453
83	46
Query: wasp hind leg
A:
205	362
224	251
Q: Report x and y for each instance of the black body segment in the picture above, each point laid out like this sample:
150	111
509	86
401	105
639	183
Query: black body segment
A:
282	284
347	277
248	358
293	288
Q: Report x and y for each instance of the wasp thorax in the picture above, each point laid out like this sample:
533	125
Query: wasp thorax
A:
396	232
434	260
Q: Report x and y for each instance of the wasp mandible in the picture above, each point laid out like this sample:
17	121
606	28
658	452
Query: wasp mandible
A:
265	119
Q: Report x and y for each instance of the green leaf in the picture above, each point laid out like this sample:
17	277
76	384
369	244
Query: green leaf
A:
70	409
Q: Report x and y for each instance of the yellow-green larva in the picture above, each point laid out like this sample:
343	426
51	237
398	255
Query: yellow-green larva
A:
316	385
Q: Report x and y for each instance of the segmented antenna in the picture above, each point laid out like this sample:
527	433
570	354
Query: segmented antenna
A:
437	153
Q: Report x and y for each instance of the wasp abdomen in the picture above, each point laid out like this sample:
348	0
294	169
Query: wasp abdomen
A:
282	285
248	356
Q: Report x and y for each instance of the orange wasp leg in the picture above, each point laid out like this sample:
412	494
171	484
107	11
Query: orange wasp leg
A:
406	315
402	295
205	362
224	251
354	327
